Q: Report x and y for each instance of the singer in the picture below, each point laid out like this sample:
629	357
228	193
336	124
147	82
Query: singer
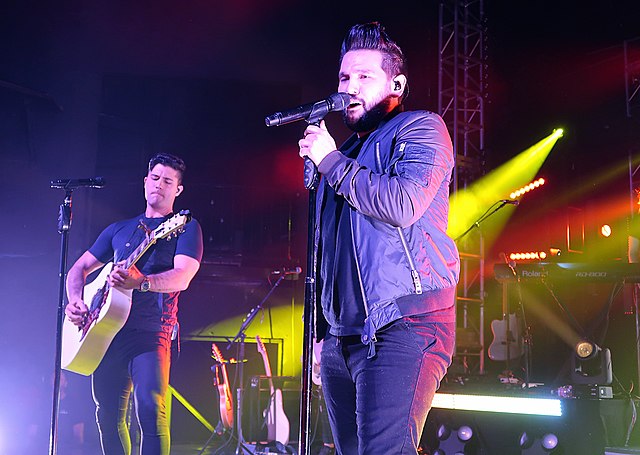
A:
387	270
139	354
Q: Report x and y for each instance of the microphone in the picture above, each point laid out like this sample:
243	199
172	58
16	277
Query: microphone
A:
287	271
510	201
72	184
335	102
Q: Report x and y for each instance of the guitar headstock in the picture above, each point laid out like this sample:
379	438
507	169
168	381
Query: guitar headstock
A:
216	354
173	226
260	345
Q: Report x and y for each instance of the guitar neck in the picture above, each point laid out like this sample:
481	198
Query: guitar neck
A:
138	252
265	360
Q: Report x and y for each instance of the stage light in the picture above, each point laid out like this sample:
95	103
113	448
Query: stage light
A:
443	432
558	132
465	433
549	441
531	443
528	256
526	440
585	349
511	405
450	444
591	364
529	187
605	230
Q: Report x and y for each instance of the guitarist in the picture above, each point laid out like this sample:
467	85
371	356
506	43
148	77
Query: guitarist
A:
139	355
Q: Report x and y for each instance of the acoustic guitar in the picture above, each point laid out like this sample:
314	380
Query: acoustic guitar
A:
221	381
84	346
276	420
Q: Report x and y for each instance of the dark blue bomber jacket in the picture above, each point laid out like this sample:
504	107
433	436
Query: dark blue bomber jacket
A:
398	195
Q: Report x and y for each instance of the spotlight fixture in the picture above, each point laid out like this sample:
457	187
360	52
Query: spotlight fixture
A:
465	433
525	189
454	442
585	349
549	441
591	364
531	443
605	230
528	255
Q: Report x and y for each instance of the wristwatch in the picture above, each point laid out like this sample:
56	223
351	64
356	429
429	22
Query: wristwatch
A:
145	285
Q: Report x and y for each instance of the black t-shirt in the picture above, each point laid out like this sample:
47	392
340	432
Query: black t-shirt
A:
150	311
338	269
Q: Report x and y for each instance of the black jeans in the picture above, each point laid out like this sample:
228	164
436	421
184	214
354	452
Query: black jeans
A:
139	360
380	405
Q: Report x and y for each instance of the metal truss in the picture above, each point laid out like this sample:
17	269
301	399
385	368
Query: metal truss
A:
461	98
632	78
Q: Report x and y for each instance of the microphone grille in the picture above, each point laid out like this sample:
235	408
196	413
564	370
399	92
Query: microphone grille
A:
339	101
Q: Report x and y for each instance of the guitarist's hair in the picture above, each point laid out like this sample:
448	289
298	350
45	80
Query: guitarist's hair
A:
170	160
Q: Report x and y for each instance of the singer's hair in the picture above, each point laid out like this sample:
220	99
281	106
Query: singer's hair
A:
372	36
169	160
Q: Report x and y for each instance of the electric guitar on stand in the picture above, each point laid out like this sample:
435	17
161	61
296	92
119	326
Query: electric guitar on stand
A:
276	420
507	340
221	381
83	347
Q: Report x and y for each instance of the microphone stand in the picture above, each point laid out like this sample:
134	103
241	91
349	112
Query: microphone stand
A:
239	338
486	215
311	179
64	225
495	207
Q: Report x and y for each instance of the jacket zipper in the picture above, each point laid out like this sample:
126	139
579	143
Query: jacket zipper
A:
355	257
415	277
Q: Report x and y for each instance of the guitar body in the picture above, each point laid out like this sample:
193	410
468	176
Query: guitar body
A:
84	347
224	391
498	347
316	356
278	427
226	406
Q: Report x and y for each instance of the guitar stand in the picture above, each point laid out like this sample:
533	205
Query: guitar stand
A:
509	339
242	447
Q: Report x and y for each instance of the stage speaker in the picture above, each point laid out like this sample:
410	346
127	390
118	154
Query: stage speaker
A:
579	430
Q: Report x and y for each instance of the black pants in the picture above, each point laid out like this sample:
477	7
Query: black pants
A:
138	360
378	406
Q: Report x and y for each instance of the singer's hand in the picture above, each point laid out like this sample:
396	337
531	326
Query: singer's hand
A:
316	143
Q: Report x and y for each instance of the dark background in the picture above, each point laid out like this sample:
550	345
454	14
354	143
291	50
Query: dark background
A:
96	88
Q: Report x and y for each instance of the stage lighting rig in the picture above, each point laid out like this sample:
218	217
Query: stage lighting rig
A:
590	364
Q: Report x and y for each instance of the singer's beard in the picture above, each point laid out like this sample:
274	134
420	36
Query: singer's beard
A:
370	119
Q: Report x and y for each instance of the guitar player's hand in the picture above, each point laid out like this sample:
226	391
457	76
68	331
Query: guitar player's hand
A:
76	311
125	278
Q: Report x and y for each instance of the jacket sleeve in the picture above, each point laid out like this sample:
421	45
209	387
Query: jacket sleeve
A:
420	162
